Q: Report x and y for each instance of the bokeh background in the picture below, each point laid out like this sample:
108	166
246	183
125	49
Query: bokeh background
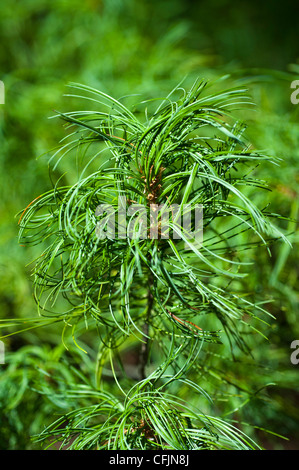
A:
124	47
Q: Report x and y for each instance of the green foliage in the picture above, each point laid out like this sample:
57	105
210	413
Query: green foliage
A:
122	47
150	290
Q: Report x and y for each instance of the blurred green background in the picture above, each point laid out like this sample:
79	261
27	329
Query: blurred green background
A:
128	47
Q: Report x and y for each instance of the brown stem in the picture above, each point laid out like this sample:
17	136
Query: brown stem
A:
152	190
145	344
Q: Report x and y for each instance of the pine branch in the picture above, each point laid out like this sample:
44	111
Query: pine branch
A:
189	151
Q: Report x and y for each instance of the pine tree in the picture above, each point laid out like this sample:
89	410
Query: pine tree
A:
144	287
